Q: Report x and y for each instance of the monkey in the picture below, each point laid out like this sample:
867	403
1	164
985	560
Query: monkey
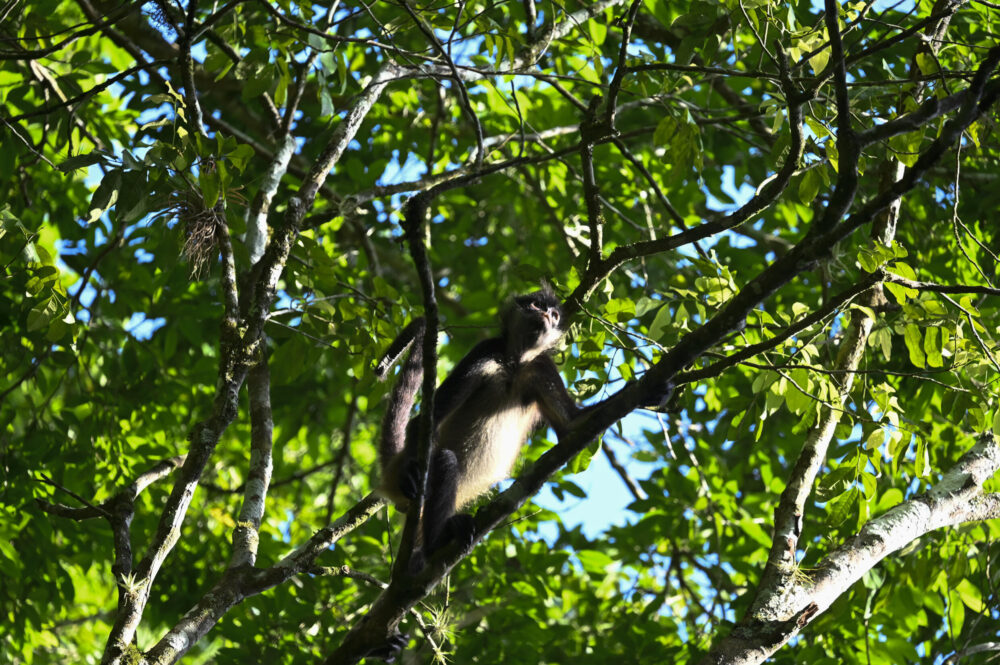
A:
484	411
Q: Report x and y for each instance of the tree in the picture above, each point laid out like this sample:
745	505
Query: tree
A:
772	227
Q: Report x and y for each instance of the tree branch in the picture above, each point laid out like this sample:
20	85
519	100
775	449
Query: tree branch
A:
956	499
943	288
463	92
832	304
415	228
237	584
238	347
766	194
115	16
246	536
620	69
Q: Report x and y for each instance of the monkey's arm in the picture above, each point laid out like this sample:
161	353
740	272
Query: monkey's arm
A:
467	376
557	405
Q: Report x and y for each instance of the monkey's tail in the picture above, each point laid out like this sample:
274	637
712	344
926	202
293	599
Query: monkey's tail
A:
400	405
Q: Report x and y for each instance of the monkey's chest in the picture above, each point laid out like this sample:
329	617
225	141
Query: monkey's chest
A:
487	442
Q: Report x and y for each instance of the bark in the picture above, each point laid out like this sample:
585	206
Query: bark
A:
956	499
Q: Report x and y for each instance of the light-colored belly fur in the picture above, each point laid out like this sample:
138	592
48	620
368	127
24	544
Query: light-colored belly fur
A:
487	446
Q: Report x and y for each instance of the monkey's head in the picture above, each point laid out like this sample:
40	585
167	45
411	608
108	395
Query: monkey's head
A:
532	324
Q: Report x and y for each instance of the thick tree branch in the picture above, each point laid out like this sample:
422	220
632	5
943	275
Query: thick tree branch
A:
246	536
256	237
957	498
788	517
304	556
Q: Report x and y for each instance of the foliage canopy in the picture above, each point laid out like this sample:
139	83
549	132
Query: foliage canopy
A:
773	225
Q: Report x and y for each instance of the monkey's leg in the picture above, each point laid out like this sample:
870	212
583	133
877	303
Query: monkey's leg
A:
441	523
439	505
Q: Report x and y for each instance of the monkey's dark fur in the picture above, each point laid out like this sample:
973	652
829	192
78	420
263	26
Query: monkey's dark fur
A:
483	413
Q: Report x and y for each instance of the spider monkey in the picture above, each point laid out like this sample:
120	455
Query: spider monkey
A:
483	413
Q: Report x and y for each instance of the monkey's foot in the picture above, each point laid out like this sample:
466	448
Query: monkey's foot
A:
390	650
417	562
462	529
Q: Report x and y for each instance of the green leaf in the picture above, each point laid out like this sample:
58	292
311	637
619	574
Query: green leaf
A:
581	461
620	310
105	195
240	156
836	482
870	484
594	561
755	531
869	260
681	140
923	461
956	615
598	31
927	64
875	439
81	161
906	147
819	61
660	323
133	202
41	314
809	186
211	187
932	346
971	596
884	338
864	511
840	508
914	346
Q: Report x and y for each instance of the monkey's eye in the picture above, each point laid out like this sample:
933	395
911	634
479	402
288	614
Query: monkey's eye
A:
534	305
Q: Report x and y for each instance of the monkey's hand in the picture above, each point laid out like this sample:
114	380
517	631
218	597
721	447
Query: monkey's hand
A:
661	398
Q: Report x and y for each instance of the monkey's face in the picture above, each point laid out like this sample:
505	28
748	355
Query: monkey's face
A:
533	324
